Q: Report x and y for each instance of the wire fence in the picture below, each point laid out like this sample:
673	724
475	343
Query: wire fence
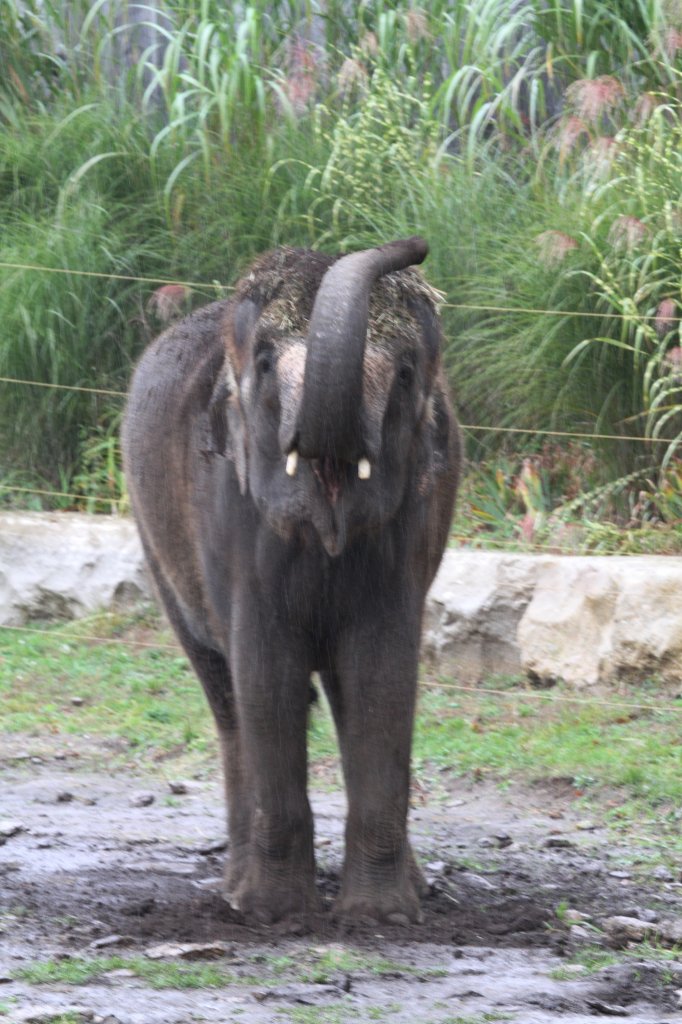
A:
518	693
112	501
483	692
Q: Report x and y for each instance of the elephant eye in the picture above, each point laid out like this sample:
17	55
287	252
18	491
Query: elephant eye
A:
263	362
405	375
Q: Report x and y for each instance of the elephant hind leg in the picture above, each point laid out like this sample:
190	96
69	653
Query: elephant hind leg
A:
214	674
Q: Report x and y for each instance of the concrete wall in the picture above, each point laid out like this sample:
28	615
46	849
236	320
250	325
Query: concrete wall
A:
585	621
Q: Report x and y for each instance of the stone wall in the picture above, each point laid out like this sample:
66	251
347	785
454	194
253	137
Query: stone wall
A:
585	621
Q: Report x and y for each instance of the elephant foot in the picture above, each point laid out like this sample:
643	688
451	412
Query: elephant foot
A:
235	870
394	904
417	876
289	905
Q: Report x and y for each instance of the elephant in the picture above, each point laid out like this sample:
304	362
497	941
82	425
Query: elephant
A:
292	457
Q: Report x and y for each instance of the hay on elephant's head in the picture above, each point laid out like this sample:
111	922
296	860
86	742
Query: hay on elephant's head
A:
285	281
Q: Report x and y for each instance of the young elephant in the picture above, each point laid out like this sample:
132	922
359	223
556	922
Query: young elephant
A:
292	461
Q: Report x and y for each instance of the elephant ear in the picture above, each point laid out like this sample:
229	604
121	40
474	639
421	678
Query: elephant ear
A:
226	419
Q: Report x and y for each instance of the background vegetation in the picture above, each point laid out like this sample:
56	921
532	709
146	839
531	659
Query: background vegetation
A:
536	144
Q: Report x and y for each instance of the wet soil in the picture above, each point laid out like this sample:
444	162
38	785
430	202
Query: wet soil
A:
95	869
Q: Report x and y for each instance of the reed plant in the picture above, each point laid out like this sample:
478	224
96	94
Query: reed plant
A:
534	144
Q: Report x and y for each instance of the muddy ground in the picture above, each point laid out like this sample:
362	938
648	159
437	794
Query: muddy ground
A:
91	868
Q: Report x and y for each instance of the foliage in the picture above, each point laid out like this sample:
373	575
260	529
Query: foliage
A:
536	146
376	157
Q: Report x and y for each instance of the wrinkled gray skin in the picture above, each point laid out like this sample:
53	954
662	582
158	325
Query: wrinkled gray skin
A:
267	577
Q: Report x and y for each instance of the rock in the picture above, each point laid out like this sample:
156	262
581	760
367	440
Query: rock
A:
575	916
9	828
670	931
178	788
63	565
142	799
64	797
558	843
621	930
583	620
112	940
477	882
473	611
608	1009
189	951
596	620
578	934
77	702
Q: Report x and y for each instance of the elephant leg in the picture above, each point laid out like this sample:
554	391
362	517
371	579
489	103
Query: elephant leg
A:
272	687
213	671
214	674
373	696
332	689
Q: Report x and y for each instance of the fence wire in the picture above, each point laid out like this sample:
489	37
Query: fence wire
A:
481	692
218	286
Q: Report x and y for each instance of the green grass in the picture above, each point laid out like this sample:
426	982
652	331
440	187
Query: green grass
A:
315	965
144	702
156	974
594	958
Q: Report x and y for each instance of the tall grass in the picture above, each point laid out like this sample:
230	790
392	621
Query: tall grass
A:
535	145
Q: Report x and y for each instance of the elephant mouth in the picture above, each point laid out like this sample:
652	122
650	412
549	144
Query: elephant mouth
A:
332	476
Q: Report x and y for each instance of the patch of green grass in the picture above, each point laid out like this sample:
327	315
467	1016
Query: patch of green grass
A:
595	958
146	697
634	751
156	973
333	1013
146	700
320	966
314	966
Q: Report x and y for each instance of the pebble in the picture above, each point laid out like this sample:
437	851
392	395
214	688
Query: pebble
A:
478	882
575	916
621	929
64	797
178	787
579	934
10	828
558	843
111	940
189	951
77	701
142	799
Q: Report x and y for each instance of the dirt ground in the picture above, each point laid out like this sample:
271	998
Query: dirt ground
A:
89	867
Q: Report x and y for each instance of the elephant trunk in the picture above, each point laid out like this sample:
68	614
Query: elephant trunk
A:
329	424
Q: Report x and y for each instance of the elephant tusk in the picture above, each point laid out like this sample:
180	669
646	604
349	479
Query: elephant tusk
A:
364	469
292	462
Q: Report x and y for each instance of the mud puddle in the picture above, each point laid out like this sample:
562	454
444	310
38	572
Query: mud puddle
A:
97	867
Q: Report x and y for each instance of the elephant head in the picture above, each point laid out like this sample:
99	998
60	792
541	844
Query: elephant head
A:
332	389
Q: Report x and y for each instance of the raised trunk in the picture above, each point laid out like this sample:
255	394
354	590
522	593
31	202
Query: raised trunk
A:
329	424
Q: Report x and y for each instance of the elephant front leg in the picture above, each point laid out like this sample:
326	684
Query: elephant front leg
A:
278	880
374	712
